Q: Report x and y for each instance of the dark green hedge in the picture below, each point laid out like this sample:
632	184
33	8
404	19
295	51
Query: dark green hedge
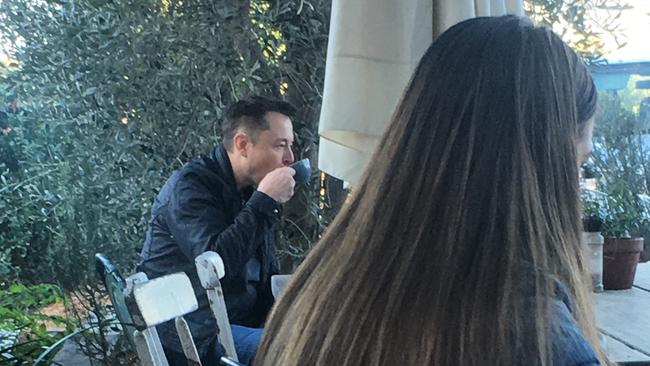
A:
106	98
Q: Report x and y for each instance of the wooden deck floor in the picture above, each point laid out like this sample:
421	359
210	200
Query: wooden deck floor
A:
624	318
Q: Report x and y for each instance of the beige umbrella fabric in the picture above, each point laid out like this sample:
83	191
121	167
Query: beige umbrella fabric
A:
374	46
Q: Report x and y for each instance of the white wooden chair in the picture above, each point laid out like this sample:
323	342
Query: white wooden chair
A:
141	304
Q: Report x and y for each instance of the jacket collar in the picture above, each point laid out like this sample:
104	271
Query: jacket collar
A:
224	169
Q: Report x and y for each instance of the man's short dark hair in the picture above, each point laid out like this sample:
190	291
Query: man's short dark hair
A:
248	113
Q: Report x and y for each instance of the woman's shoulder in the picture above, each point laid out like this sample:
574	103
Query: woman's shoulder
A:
570	347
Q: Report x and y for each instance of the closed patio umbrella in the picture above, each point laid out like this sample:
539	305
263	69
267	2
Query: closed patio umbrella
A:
374	46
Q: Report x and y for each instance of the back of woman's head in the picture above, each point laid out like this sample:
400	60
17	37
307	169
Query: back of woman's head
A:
449	250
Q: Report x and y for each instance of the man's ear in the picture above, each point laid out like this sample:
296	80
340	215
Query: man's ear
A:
241	143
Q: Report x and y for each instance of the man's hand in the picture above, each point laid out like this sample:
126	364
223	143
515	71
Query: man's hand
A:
278	184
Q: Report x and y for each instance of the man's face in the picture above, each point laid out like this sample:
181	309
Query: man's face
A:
270	149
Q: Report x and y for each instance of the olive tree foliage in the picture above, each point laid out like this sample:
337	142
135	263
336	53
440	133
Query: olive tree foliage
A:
584	24
107	97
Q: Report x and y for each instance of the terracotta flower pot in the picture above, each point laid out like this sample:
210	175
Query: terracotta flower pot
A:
620	257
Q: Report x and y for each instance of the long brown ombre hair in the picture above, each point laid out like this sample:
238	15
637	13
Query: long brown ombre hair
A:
450	248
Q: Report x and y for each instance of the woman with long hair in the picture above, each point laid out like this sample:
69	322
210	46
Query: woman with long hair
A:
461	244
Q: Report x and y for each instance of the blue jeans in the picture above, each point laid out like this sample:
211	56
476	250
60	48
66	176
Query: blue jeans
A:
246	342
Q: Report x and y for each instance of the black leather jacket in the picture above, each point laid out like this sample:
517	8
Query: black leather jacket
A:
199	209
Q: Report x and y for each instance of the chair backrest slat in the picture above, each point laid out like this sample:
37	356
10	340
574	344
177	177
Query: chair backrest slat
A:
185	336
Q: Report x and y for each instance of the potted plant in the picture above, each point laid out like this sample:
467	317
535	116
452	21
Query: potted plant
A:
623	244
618	158
618	215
